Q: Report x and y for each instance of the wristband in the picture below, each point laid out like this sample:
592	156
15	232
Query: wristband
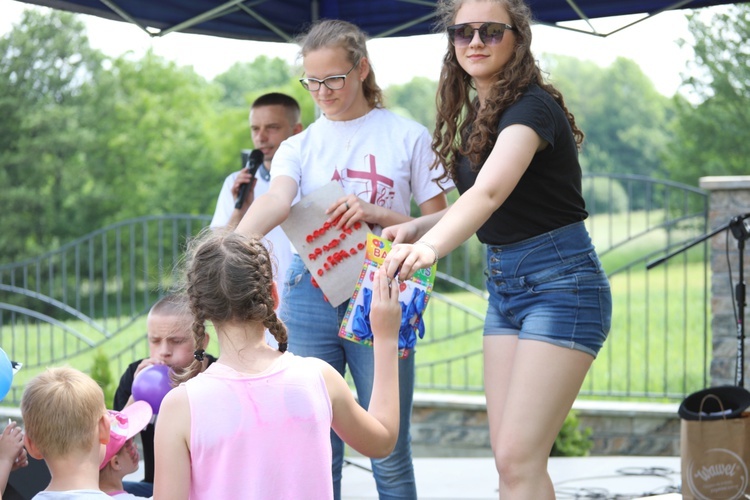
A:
431	247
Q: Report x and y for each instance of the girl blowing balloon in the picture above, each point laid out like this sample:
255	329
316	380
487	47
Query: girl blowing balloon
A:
510	144
256	423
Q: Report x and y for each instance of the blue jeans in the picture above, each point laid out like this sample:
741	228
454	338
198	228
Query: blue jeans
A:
313	331
139	489
549	288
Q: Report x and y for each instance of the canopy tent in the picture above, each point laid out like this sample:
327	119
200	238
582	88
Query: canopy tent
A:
281	20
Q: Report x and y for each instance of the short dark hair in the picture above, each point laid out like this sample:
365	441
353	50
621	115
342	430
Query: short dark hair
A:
279	99
171	305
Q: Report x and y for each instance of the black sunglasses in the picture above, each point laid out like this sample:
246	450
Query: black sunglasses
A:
491	33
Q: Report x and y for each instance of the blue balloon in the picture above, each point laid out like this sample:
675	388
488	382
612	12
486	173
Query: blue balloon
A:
6	374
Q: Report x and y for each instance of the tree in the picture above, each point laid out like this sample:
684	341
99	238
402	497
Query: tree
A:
46	69
625	119
260	74
711	135
417	97
154	153
86	141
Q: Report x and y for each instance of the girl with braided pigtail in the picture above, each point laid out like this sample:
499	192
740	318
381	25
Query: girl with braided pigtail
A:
256	423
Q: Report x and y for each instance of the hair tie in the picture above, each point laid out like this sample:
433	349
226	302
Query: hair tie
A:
198	354
283	346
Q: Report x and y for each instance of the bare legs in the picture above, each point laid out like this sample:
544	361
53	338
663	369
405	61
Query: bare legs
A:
530	388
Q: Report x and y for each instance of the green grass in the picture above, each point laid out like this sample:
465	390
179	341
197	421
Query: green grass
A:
45	345
449	357
656	345
656	336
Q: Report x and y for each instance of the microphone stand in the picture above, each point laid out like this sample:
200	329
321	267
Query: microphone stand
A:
740	227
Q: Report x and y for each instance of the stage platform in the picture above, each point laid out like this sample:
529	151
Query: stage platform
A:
602	478
615	478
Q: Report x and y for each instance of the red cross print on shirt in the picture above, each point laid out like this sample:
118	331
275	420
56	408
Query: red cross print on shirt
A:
371	176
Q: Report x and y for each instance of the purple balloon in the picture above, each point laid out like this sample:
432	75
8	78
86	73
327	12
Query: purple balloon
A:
151	385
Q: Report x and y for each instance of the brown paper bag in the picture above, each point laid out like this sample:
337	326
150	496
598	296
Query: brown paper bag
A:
715	457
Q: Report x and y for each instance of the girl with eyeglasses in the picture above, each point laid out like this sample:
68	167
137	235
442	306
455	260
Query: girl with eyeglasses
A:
511	145
382	161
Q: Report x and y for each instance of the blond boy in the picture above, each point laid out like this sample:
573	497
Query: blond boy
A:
66	424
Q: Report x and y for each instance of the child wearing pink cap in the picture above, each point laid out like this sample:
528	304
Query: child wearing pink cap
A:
121	457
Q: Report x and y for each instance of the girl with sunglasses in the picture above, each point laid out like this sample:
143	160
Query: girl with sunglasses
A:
511	145
382	161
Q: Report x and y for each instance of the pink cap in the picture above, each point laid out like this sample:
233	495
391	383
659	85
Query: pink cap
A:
124	425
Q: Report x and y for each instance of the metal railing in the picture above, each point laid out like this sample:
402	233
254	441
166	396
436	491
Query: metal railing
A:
90	294
659	342
93	294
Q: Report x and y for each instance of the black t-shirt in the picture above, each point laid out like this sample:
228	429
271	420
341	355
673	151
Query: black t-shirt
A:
123	393
548	195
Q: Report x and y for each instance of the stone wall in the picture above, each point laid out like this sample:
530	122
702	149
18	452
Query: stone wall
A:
729	197
445	425
456	426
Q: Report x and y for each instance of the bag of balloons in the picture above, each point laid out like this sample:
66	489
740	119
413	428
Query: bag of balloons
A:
151	385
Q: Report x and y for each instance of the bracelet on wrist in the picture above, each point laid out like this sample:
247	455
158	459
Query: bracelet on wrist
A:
431	247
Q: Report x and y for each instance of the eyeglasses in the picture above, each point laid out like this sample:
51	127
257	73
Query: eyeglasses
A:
333	82
461	35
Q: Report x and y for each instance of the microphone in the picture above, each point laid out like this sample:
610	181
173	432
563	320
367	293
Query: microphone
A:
253	163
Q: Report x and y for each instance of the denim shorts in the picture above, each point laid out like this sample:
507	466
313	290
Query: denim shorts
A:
550	288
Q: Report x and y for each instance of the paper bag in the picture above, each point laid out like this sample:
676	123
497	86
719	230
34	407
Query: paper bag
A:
714	457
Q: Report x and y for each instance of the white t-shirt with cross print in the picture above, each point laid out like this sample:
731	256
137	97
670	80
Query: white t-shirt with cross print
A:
380	157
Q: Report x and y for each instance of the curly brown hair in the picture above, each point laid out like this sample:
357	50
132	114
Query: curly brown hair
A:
229	278
458	112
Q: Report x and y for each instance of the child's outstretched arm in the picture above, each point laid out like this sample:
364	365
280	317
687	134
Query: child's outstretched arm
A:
171	450
374	432
385	320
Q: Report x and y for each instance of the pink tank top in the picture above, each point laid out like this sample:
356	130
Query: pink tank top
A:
264	436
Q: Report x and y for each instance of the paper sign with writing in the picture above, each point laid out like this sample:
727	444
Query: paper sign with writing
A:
333	257
413	296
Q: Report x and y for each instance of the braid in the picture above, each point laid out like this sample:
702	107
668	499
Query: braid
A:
265	301
230	278
277	329
199	334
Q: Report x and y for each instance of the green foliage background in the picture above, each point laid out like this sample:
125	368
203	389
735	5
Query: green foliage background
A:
87	140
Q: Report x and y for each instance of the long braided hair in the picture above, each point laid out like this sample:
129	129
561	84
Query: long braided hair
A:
229	278
462	128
